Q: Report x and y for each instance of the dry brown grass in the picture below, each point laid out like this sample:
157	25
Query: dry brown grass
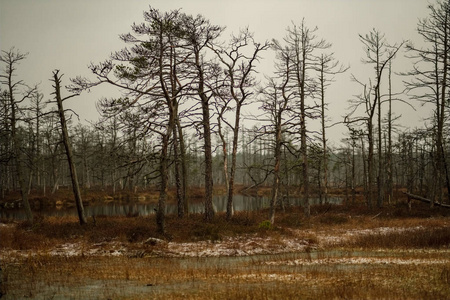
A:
420	238
144	271
48	231
212	278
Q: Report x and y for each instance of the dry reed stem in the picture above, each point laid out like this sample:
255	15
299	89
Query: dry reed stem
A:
395	255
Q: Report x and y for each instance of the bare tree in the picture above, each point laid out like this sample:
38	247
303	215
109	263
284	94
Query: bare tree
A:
238	83
378	53
302	44
5	144
37	108
11	59
430	81
148	75
67	146
326	66
51	148
391	118
277	97
199	33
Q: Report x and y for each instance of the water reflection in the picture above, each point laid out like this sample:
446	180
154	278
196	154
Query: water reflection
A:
240	203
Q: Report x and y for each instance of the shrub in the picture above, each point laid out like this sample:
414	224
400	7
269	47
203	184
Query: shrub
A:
266	225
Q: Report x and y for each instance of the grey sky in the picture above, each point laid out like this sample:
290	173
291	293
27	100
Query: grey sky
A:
68	35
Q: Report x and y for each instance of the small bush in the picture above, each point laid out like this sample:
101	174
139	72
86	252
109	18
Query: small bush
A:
266	225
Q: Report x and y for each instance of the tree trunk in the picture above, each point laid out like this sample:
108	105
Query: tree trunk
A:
14	138
324	139
230	211
204	99
303	146
21	177
390	183
178	183
164	173
380	177
416	197
353	173
365	173
65	136
440	108
276	170
209	209
370	164
184	170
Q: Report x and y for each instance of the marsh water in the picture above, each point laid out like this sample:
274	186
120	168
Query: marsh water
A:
247	277
135	207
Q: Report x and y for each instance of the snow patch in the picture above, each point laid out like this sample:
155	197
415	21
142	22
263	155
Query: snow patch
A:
240	246
358	261
297	241
272	277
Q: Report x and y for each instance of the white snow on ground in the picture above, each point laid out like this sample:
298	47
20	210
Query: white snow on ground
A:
297	241
68	249
240	246
7	225
76	249
340	236
359	261
273	277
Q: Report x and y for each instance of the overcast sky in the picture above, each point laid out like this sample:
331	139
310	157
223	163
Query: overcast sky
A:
69	34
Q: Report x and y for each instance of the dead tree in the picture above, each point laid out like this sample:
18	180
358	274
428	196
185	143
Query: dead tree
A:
67	146
326	66
238	84
378	53
276	98
430	81
198	34
12	58
303	45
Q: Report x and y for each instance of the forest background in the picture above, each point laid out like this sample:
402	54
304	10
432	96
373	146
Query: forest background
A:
170	102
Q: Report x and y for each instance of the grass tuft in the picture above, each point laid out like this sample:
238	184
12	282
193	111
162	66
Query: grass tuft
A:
434	238
265	225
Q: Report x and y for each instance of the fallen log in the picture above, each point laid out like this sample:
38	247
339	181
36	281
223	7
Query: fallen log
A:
416	197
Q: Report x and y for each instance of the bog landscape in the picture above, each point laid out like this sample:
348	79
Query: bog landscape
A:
207	177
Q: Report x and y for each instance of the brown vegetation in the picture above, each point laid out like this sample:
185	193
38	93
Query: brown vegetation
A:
346	251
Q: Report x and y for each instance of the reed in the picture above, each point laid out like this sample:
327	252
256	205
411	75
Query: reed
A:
345	253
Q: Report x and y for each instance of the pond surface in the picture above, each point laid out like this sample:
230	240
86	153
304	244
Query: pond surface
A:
240	203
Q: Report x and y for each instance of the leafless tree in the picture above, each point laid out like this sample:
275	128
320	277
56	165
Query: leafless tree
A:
378	53
430	81
67	146
16	93
302	45
199	33
277	97
148	76
326	66
238	84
